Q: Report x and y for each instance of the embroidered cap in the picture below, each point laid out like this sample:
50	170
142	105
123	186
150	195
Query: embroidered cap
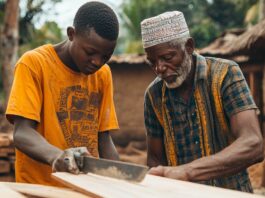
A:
163	28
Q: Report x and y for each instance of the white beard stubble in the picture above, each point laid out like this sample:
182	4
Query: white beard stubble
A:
184	69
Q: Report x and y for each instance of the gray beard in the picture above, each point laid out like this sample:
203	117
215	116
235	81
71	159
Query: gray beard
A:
184	69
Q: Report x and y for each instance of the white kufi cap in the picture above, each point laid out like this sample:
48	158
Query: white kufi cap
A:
164	28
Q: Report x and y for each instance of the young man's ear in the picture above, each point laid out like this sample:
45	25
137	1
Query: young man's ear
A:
70	33
190	45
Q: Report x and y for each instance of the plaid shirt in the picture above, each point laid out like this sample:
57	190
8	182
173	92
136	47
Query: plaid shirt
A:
236	97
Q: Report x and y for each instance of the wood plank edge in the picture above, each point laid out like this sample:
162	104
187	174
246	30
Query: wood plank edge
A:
74	187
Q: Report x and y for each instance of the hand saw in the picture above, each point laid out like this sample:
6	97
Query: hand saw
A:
111	168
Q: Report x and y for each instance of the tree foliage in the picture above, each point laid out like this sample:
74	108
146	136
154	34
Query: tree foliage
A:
2	7
228	13
29	35
48	33
206	18
31	11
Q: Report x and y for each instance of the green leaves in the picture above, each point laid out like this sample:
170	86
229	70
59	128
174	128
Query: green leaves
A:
48	33
206	19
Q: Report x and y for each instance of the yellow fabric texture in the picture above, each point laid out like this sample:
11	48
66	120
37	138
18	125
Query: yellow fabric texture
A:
169	138
71	108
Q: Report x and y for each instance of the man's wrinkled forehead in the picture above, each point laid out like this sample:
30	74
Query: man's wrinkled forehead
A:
164	28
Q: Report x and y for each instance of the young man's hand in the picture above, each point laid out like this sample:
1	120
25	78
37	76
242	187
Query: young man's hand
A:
66	162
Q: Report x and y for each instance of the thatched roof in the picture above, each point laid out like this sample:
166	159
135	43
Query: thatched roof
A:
238	45
128	59
250	43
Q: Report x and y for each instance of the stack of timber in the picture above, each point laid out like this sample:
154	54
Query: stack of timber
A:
5	191
7	157
152	186
19	190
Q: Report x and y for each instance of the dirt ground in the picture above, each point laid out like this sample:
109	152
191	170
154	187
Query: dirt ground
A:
135	152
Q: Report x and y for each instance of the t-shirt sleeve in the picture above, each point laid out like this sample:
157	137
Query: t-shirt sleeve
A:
152	124
236	93
25	98
107	116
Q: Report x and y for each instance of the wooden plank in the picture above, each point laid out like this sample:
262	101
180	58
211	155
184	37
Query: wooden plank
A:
3	154
100	186
5	166
193	190
4	140
7	192
5	151
7	178
44	191
152	186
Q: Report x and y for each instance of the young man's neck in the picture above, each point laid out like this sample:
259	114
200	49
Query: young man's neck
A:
62	50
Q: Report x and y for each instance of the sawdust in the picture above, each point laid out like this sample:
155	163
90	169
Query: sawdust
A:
113	172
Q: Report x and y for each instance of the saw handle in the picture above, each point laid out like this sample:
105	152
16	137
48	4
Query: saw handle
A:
78	153
79	160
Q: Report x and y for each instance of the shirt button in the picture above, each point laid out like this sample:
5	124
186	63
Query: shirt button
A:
196	142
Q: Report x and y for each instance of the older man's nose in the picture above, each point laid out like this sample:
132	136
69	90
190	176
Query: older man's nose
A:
160	67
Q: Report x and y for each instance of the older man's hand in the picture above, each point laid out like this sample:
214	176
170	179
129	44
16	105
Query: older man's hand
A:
176	172
65	162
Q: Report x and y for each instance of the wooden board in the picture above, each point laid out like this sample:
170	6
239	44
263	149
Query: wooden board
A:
5	166
7	192
43	191
4	140
152	186
5	151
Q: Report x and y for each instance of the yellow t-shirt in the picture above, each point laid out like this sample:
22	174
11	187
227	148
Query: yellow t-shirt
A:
70	107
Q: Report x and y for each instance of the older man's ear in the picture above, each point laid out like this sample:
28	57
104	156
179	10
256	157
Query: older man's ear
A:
190	45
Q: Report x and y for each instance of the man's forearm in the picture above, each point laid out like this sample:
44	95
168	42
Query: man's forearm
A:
106	147
35	146
239	155
246	150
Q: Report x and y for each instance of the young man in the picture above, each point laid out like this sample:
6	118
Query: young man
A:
199	114
61	102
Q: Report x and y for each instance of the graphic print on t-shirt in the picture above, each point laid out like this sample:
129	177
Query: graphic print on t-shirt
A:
78	116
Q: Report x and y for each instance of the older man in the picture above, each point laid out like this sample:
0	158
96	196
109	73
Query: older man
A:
200	116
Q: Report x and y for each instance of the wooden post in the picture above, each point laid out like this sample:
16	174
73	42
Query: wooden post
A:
9	44
263	120
263	100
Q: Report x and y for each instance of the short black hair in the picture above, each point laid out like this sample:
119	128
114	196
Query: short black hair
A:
99	16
